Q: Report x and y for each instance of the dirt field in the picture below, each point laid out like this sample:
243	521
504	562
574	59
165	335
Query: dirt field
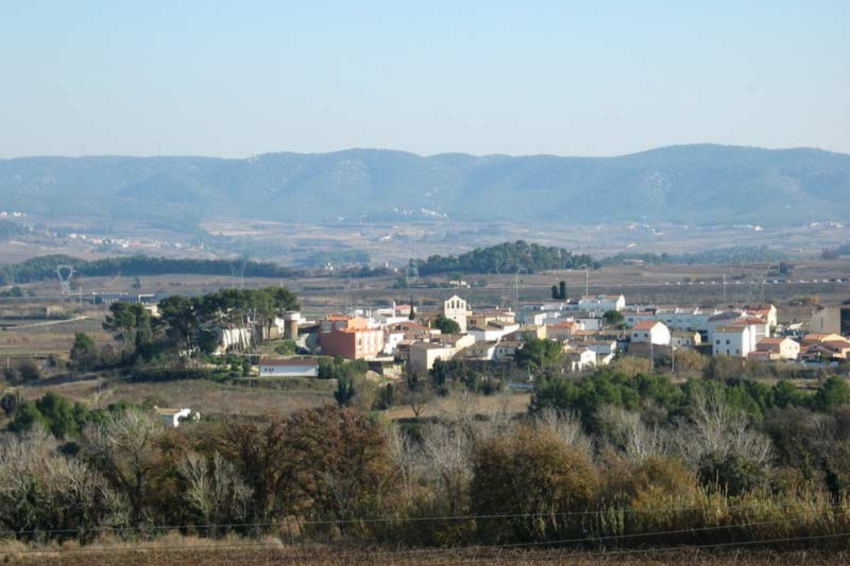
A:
195	552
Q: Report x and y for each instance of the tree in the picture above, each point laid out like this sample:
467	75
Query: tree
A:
57	414
536	481
29	370
46	491
446	325
214	491
562	290
416	393
260	451
132	325
340	463
832	394
123	446
181	315
412	315
539	354
613	318
345	388
84	354
556	293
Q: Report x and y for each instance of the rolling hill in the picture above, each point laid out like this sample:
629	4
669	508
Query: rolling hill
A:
694	184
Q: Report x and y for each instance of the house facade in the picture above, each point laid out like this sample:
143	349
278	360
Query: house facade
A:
352	343
735	341
650	332
600	304
784	348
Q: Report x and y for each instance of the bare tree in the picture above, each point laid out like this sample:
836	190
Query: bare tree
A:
714	427
214	489
123	448
43	489
567	427
449	449
627	432
407	458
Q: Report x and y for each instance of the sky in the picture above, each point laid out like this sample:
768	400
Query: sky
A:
605	77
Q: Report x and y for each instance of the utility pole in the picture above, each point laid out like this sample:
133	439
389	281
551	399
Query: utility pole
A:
586	278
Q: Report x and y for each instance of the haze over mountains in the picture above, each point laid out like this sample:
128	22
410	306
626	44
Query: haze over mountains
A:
695	184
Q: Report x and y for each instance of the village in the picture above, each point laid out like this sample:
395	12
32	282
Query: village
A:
592	331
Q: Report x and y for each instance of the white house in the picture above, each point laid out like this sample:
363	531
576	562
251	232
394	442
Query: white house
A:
600	304
589	322
581	359
493	332
685	339
650	332
506	349
735	341
481	351
759	329
675	318
293	367
392	339
766	312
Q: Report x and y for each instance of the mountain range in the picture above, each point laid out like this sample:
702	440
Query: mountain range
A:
692	184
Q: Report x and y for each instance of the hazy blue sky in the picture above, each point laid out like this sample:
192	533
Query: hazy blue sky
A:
522	77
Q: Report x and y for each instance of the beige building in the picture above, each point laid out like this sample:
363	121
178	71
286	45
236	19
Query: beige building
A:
421	355
782	347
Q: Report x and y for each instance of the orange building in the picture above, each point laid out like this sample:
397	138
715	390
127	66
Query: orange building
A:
352	343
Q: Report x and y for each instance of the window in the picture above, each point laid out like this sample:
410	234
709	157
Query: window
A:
727	342
737	352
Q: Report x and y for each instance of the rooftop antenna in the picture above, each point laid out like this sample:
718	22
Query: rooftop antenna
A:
64	273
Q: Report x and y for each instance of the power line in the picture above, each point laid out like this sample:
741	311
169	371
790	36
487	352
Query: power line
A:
436	518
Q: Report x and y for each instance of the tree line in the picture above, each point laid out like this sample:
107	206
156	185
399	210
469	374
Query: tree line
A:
44	267
506	258
731	255
626	462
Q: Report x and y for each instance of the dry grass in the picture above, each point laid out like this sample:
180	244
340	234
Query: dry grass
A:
204	396
506	403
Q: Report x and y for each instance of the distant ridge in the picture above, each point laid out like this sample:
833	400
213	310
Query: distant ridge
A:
694	184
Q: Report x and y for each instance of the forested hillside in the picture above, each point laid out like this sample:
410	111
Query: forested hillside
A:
701	184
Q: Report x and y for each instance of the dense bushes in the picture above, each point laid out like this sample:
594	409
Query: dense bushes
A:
608	461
